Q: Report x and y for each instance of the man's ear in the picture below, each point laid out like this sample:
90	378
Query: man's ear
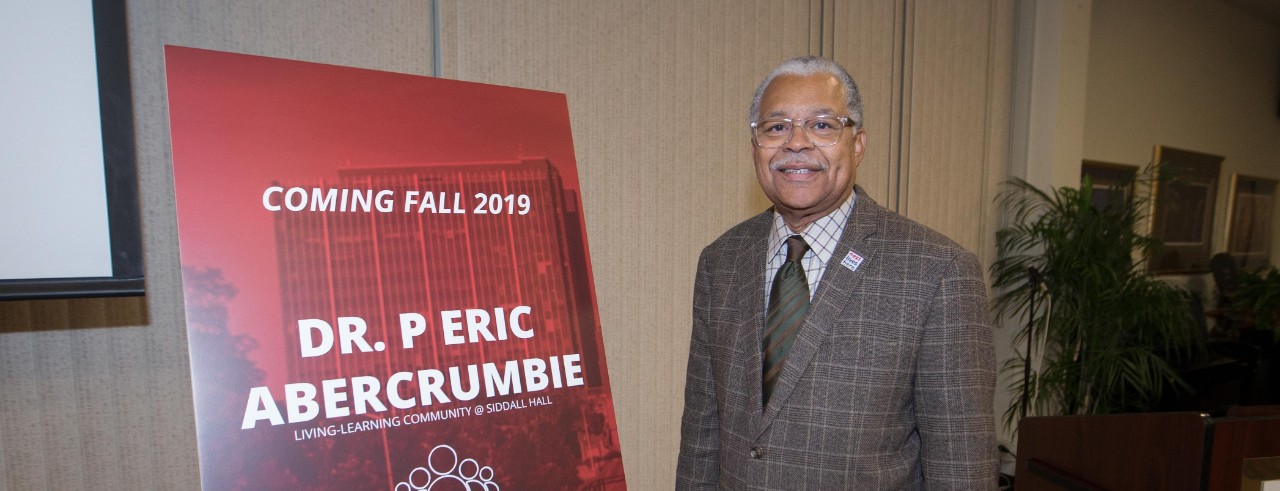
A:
859	146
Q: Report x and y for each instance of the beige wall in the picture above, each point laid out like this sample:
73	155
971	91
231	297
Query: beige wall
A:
1191	74
97	392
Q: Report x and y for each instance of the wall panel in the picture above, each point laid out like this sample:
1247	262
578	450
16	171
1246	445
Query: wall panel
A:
946	159
867	40
658	95
936	129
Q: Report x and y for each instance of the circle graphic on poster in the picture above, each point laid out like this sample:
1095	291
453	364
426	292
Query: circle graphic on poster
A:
444	472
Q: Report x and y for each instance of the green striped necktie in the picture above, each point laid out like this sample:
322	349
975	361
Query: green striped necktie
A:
788	304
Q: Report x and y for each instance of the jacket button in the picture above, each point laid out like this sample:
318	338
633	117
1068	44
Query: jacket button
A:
756	453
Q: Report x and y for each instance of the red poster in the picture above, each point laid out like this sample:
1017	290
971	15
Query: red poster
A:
386	280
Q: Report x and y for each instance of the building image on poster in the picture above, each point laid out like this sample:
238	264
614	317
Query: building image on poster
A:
387	281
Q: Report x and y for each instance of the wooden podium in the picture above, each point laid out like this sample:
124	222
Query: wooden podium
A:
1158	451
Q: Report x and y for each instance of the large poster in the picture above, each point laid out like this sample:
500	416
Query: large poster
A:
387	281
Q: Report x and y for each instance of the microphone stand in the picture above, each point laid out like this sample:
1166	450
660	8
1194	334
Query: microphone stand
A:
1033	282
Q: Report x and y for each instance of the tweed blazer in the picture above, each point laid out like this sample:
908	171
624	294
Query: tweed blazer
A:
888	385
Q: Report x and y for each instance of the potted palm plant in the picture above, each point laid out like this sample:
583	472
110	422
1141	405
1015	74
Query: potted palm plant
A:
1097	331
1258	297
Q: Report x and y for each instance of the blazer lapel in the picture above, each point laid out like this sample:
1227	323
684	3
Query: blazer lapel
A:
835	291
748	303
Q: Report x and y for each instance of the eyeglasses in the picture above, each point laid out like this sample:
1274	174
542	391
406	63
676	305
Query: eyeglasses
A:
822	131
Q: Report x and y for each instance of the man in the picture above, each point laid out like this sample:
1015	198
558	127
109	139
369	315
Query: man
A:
872	365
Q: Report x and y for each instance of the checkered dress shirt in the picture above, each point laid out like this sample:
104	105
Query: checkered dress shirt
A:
822	236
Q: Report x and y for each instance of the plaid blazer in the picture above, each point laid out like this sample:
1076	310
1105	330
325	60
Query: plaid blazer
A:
889	383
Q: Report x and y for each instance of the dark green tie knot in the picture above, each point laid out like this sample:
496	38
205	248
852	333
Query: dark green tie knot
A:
796	247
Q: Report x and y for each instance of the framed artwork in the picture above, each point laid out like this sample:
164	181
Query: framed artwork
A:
1112	183
1250	208
1182	218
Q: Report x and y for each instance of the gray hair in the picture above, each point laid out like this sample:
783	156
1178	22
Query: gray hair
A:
810	65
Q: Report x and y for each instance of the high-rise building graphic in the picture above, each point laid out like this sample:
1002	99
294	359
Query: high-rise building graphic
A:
456	254
451	236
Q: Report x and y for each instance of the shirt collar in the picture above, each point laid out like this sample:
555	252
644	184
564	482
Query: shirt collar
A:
822	235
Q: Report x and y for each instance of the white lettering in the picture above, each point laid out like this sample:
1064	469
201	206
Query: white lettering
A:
412	325
300	401
501	384
260	406
333	396
393	390
364	392
267	202
306	327
351	331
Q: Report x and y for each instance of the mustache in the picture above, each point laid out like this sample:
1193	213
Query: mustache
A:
798	158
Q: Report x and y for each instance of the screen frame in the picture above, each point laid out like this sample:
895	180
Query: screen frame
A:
111	45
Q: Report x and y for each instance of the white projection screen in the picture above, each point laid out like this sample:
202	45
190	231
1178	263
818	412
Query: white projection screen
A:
68	188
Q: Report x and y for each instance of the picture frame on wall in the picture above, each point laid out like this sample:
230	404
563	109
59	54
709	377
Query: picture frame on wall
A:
1112	182
1183	203
1251	209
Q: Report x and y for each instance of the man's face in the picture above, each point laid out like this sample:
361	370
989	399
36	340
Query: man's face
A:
806	182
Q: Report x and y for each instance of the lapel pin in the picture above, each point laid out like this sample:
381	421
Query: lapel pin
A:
851	261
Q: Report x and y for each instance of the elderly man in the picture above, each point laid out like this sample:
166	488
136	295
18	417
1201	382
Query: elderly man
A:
836	344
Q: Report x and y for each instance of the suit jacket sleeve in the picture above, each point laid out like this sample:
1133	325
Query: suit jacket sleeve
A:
956	383
698	466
